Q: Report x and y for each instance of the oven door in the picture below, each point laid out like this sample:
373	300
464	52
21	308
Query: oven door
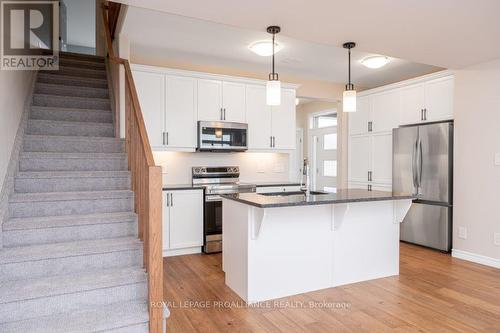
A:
213	224
222	136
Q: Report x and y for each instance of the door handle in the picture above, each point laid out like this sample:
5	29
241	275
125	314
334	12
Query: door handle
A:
274	142
168	199
425	114
224	113
163	140
370	176
420	162
167	138
414	166
221	114
271	143
171	200
370	126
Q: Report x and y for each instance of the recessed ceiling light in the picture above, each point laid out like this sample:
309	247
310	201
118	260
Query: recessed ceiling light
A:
264	48
375	61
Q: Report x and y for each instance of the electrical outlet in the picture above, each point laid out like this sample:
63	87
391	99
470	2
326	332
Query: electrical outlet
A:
496	238
497	159
462	232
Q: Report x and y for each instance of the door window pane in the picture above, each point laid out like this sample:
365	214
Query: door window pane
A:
330	141
326	120
330	168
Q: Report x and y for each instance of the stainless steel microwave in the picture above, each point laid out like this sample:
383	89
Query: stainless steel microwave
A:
222	136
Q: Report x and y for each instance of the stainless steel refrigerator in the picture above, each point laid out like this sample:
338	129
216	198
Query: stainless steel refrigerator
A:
422	164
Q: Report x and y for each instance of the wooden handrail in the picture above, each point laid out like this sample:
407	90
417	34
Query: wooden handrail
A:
146	184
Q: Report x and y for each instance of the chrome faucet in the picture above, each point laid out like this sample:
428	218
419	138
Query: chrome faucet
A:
305	172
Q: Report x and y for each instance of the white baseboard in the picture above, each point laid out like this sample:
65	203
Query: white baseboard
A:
180	252
477	258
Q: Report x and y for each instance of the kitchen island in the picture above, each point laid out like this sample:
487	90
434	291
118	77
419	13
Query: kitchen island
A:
283	244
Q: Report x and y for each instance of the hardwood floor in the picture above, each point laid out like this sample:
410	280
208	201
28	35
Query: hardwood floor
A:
433	293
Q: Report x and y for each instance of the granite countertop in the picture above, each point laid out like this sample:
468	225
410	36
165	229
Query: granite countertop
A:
182	187
342	196
276	183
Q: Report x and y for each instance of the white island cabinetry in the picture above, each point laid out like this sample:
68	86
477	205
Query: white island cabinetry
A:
278	250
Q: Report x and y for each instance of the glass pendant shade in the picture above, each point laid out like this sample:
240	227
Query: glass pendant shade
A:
349	101
273	92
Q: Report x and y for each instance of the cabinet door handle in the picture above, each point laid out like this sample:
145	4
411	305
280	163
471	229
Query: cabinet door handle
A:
425	114
369	176
163	140
221	114
167	138
370	126
224	113
369	187
271	143
422	114
168	199
171	199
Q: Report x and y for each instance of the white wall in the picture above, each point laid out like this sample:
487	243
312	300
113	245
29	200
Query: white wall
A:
81	21
254	167
14	87
476	177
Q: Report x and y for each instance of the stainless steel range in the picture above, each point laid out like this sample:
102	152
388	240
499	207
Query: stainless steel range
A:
217	181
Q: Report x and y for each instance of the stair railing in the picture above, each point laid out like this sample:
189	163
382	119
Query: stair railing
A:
146	183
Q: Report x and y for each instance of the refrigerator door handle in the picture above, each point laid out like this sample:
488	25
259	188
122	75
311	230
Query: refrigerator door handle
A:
414	167
420	163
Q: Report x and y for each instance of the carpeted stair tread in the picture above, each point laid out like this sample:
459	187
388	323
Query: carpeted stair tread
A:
67	249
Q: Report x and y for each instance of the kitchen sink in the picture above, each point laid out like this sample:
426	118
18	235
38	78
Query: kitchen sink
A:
283	194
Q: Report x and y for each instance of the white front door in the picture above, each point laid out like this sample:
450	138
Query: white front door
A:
323	157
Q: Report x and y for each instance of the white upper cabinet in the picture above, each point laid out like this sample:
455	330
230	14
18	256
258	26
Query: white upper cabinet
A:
416	101
210	100
411	104
283	121
258	118
180	112
173	101
151	92
358	121
233	102
381	158
439	99
359	158
270	128
384	112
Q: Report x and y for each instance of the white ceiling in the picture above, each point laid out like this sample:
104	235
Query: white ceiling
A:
445	33
156	34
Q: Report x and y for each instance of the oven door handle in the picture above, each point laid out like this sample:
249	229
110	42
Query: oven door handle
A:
212	198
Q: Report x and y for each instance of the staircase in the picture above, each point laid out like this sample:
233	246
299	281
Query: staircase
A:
71	260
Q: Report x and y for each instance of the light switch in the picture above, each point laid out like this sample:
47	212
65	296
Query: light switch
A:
462	232
497	159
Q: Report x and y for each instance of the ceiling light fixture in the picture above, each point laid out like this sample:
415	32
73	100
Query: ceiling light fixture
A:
273	86
349	96
375	62
264	48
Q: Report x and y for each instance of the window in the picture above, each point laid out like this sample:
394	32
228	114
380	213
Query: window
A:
324	120
330	141
330	168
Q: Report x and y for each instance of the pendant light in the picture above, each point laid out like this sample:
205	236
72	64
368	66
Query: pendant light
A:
349	96
273	86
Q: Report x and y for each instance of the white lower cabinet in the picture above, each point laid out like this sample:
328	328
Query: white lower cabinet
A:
182	222
276	189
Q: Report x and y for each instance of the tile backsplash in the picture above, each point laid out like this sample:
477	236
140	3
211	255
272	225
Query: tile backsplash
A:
254	167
